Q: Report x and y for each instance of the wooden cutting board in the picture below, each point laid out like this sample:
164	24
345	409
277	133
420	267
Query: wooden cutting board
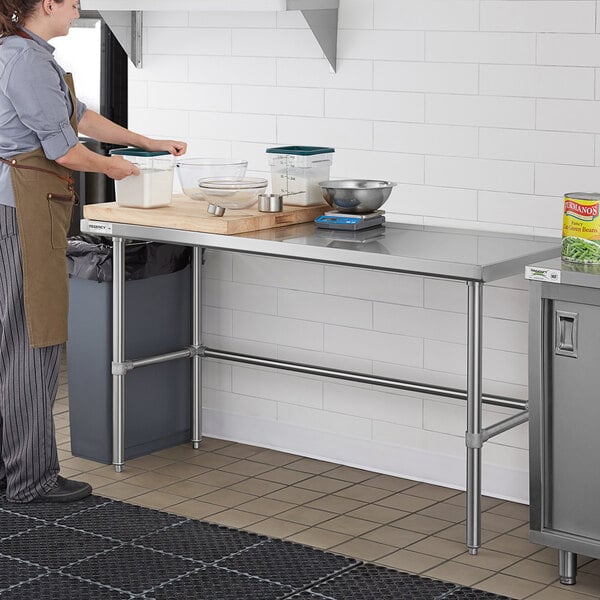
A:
191	215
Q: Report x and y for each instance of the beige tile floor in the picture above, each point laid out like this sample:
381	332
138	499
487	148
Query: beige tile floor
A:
390	521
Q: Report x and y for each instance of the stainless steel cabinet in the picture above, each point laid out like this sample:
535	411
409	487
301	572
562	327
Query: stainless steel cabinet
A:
564	400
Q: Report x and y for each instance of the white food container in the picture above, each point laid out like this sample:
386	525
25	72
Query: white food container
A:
153	187
297	170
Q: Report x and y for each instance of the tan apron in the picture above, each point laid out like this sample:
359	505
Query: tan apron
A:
44	198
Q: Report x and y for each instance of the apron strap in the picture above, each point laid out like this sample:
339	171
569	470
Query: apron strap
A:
69	180
22	34
13	163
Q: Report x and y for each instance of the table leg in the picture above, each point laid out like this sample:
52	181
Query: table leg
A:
196	343
567	567
474	345
118	351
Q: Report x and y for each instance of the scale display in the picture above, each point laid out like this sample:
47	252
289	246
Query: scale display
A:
349	222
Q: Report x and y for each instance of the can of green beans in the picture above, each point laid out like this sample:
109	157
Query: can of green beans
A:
581	228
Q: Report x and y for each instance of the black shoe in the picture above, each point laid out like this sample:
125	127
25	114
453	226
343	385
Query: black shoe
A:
66	490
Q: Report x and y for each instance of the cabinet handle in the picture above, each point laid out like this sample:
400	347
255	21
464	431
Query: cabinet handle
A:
565	333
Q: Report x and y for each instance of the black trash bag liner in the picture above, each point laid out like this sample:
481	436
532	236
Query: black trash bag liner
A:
90	257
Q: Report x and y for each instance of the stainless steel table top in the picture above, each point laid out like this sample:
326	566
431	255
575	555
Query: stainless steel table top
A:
558	271
463	254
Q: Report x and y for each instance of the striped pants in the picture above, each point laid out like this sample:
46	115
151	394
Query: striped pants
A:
28	383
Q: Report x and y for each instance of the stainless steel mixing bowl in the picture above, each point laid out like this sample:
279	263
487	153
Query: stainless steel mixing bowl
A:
356	195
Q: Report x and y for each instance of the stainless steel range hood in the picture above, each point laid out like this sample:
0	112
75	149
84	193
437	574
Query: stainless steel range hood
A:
125	18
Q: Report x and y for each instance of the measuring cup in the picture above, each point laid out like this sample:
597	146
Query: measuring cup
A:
273	202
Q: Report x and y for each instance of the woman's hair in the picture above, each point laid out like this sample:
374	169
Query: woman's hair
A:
14	12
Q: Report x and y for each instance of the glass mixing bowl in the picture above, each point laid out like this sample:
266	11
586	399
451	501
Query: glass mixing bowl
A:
222	193
192	171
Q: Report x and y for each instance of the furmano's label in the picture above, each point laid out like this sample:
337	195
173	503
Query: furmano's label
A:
584	211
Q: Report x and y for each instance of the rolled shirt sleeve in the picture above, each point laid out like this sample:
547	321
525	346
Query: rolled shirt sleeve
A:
41	100
81	108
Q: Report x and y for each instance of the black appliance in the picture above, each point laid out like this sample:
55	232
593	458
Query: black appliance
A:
99	66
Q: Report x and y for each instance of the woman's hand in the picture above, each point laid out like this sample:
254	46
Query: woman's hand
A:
171	146
100	128
119	168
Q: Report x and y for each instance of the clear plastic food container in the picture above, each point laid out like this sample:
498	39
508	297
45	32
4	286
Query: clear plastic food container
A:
298	170
153	187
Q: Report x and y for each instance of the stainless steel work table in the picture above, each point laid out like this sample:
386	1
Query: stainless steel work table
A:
474	257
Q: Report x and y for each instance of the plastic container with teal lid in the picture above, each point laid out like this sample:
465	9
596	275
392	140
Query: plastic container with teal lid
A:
153	187
297	170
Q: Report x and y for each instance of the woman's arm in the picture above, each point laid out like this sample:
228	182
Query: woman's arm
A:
99	128
80	158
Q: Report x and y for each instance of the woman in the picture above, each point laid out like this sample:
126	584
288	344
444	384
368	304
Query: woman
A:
39	122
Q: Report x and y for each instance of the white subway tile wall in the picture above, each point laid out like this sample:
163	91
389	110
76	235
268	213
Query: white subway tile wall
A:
484	111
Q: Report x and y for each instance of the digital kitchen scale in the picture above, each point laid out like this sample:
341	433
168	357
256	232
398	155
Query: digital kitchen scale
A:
350	222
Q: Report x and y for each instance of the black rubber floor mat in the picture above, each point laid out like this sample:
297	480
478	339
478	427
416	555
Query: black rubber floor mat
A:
123	522
11	524
212	583
471	594
52	546
60	587
101	549
14	571
51	512
201	541
287	563
371	582
132	569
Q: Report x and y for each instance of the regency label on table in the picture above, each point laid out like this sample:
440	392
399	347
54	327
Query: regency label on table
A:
100	228
542	274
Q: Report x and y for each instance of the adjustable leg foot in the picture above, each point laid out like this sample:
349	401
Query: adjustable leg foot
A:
567	567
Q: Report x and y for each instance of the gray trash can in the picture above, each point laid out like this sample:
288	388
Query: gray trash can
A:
157	397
